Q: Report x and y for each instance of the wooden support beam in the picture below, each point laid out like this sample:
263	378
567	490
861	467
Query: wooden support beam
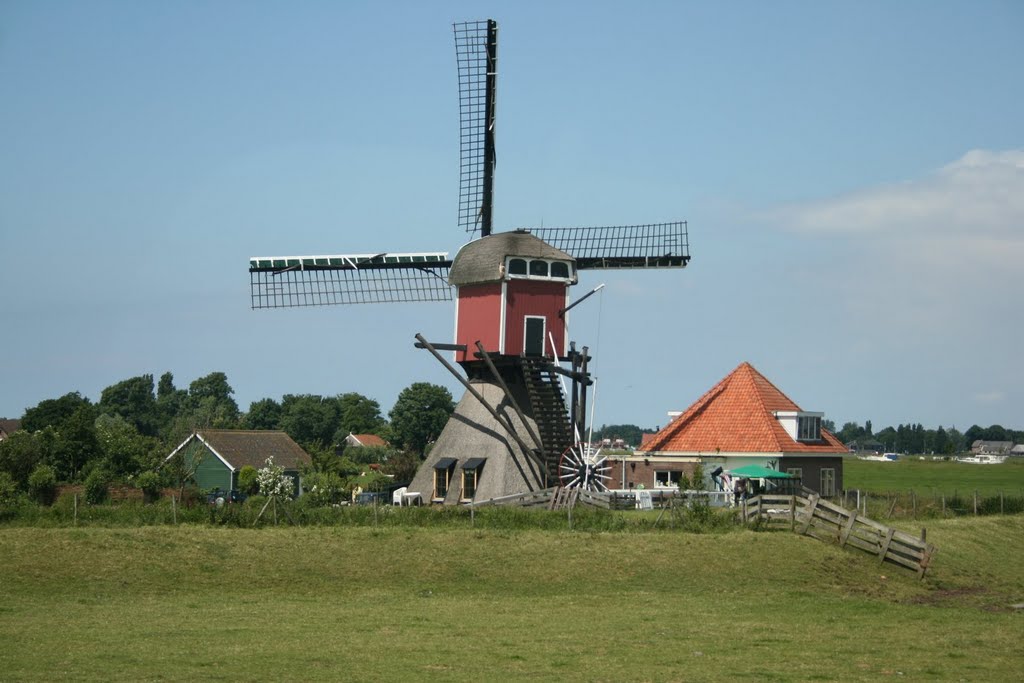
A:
508	395
848	529
885	546
501	419
443	347
812	505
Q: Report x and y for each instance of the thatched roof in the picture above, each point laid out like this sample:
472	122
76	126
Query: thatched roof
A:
471	435
480	261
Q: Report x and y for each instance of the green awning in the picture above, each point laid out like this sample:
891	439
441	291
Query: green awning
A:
758	472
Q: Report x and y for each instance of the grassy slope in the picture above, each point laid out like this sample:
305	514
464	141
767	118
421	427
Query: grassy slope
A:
365	604
928	476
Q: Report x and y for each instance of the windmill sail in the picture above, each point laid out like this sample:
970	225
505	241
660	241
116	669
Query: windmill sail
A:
655	245
289	281
476	50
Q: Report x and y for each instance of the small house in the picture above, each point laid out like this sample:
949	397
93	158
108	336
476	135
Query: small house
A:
365	441
219	455
8	427
742	421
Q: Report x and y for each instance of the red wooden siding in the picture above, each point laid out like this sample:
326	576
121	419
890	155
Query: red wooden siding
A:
535	298
479	318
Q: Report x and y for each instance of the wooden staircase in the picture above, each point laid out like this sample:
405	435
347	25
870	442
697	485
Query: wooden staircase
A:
547	404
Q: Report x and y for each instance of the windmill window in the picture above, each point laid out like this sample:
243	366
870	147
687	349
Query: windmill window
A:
471	477
560	269
517	266
539	268
442	478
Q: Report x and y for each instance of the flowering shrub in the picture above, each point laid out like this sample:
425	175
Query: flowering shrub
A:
272	480
323	488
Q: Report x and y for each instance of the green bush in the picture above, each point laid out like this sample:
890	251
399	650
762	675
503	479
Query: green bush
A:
149	482
8	490
248	483
42	485
323	488
97	487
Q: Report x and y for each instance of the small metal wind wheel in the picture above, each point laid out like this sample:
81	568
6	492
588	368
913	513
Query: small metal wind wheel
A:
583	467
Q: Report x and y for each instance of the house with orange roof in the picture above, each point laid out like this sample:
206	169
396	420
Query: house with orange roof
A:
360	440
743	420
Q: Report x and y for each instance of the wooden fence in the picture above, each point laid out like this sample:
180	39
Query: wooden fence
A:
825	521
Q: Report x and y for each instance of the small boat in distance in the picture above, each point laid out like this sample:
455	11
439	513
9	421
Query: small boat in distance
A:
884	457
983	459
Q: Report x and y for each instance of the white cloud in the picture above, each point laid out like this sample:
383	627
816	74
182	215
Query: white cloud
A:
979	196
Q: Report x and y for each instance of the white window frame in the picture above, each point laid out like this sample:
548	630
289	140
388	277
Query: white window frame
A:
544	331
668	476
830	490
528	276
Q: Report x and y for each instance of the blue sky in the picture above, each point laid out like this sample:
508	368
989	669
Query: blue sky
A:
853	176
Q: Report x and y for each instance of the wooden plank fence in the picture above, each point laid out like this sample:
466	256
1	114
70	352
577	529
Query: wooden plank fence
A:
813	516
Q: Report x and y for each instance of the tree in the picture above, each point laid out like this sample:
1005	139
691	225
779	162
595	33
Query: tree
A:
169	401
20	454
75	444
125	451
133	400
402	466
210	403
309	419
263	414
359	414
629	433
52	412
420	413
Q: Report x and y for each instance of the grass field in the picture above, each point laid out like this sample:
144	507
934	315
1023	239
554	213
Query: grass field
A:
927	477
363	603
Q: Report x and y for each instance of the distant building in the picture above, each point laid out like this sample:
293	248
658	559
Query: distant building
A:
364	440
8	427
222	453
982	447
743	420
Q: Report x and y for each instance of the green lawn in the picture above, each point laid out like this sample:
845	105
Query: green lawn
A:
358	603
927	477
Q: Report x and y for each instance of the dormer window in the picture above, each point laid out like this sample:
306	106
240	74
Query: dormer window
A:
539	269
808	428
800	425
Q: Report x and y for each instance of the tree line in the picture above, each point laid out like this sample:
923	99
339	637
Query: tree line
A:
137	422
915	438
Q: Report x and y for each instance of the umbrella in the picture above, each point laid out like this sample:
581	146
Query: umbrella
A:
759	472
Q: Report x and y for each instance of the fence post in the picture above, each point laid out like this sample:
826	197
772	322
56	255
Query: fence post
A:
76	510
792	513
943	504
975	502
913	499
1000	502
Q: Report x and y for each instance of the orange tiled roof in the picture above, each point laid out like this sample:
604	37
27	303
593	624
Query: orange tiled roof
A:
370	440
736	416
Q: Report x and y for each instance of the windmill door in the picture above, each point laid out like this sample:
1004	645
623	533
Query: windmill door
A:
533	344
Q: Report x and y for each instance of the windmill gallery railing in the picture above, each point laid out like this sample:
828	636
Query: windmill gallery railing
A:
818	518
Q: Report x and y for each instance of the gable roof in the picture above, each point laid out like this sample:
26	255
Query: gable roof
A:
365	440
240	447
738	416
9	426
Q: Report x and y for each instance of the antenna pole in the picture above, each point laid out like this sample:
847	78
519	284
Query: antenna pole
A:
490	92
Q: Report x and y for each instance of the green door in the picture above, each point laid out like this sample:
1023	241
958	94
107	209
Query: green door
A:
534	343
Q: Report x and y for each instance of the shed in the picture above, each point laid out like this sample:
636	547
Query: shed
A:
224	452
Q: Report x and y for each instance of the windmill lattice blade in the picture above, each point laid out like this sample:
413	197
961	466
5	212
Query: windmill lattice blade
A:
476	54
286	282
655	245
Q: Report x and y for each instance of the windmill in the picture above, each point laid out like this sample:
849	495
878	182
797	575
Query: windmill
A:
512	431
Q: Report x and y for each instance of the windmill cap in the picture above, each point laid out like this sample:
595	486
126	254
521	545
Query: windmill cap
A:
481	260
